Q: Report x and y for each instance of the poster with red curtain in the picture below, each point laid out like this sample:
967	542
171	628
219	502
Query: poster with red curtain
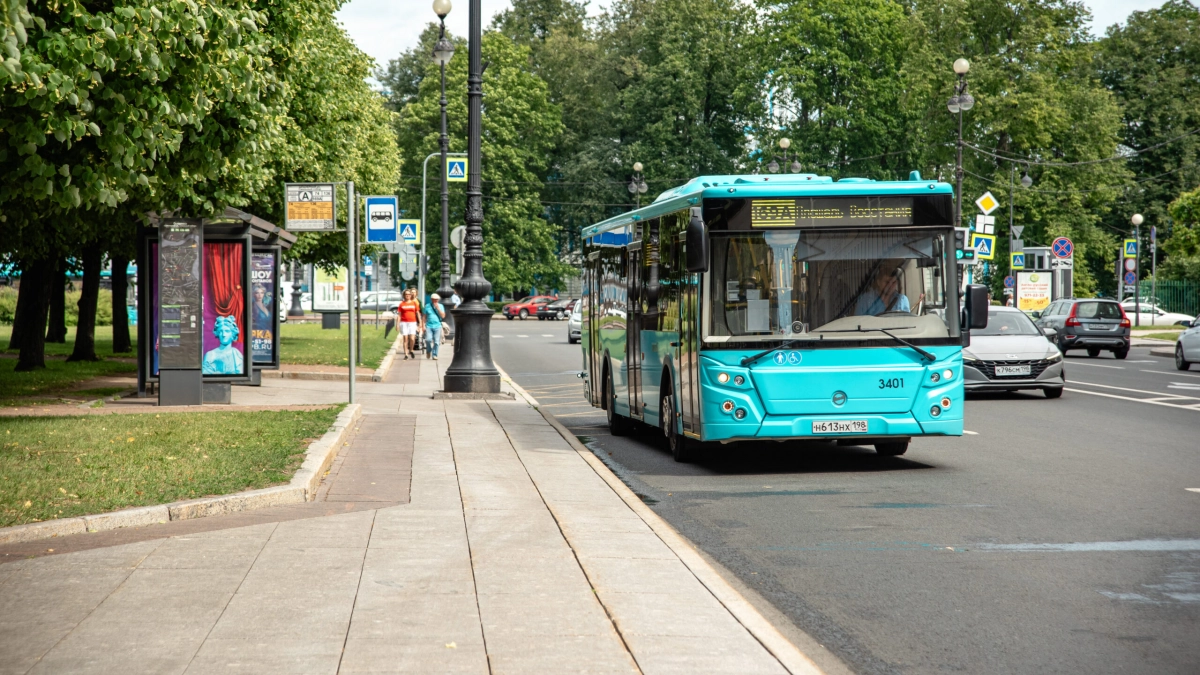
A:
224	308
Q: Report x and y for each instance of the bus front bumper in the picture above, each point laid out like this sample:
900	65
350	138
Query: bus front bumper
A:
782	427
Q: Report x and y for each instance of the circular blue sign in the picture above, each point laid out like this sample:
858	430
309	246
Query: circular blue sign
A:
1062	248
1130	278
793	358
1009	281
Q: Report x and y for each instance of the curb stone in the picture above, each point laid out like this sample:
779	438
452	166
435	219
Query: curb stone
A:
309	375
386	363
302	488
775	642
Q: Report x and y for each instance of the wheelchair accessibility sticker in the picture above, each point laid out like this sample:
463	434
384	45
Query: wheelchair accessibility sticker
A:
791	358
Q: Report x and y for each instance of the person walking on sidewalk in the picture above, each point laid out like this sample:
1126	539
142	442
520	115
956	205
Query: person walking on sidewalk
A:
410	317
434	313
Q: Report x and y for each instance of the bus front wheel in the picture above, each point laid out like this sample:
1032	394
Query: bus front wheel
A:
891	449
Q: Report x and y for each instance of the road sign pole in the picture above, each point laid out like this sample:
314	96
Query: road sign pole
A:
352	273
1137	276
1153	270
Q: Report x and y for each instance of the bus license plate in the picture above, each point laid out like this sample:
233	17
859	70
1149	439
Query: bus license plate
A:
840	427
1012	370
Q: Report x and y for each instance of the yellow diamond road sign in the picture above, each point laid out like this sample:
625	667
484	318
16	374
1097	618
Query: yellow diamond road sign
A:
987	203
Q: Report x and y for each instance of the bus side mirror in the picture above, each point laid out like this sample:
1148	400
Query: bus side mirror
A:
977	306
697	243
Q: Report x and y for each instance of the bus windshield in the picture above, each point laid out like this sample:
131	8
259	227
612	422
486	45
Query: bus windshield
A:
798	284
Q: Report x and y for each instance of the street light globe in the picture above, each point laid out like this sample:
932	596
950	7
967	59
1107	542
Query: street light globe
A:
637	166
796	168
633	187
443	51
961	66
642	187
953	104
966	102
773	167
785	143
441	8
1136	219
1026	181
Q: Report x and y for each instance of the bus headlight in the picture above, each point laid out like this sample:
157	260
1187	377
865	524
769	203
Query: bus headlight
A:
739	380
935	378
727	406
740	413
948	374
946	403
935	411
722	377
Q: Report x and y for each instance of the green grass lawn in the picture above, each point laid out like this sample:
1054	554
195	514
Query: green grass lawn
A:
58	467
59	377
103	342
1173	337
309	344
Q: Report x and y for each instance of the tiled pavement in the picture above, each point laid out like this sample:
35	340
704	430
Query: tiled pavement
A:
450	536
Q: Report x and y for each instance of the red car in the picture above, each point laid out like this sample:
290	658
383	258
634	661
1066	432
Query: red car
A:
526	307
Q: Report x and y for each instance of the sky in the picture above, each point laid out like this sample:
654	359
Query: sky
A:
385	28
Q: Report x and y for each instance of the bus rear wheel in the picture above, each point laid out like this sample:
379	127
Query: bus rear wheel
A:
682	448
618	424
893	449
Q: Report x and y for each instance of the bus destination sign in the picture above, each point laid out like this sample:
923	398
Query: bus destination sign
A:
831	211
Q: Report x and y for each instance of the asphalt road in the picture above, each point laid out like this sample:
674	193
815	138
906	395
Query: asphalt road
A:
1057	536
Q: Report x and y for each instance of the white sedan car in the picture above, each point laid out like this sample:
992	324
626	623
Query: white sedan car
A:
1187	349
575	323
1150	315
1012	354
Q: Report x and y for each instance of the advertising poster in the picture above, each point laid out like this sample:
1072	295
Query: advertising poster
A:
330	292
263	309
224	334
1033	291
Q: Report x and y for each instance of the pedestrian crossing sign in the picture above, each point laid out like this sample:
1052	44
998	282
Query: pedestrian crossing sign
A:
1018	261
410	231
456	170
985	246
1131	248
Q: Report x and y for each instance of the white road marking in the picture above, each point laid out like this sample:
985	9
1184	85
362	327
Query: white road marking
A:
1137	391
1093	365
1184	385
1130	398
522	336
1101	546
547	335
1172	373
970	433
1192	489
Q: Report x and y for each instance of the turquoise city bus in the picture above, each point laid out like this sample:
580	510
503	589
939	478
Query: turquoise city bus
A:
753	308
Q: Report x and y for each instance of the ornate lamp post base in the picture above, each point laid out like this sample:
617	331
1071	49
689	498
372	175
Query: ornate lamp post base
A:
472	370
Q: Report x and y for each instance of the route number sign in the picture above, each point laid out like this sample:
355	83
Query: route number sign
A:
310	207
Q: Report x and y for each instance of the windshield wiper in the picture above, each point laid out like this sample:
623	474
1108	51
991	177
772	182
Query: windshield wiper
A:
751	359
906	343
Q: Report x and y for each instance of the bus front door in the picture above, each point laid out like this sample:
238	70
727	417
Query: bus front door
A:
633	332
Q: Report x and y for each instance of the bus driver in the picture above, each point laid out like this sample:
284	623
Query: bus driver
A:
883	295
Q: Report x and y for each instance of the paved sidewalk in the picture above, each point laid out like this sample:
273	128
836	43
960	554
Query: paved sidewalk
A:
449	537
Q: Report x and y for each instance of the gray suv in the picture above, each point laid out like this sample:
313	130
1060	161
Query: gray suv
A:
1087	323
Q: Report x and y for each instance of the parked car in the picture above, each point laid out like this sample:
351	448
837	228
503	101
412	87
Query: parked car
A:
1147	314
379	300
1012	354
1187	349
559	309
1093	324
575	323
525	307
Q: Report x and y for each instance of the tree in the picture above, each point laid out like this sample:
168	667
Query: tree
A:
1152	65
519	128
1183	246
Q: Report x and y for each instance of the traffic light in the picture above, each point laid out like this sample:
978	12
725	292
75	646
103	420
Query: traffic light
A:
964	253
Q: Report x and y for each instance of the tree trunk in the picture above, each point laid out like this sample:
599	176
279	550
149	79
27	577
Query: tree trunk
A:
15	338
57	331
120	288
85	328
32	305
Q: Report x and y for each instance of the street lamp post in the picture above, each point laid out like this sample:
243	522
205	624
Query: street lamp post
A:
637	185
959	103
442	53
1137	269
794	167
472	370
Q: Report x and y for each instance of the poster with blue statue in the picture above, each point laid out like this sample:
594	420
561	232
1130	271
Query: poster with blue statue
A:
224	309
